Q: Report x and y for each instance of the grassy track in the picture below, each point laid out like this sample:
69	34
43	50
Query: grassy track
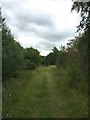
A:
39	94
27	99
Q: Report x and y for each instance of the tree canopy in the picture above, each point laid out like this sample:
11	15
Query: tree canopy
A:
12	55
84	9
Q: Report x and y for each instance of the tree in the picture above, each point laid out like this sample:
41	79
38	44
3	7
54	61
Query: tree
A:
32	58
84	9
42	59
12	53
83	39
51	58
62	57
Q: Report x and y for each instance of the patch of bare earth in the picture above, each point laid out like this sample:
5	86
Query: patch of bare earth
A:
55	102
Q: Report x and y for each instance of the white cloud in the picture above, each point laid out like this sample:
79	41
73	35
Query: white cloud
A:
41	23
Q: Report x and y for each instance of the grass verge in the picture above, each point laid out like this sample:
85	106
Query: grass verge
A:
27	96
74	102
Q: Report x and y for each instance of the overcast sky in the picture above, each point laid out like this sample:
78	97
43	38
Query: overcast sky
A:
41	24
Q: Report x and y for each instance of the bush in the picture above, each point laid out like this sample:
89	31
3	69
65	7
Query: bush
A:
32	58
62	59
30	65
74	75
12	54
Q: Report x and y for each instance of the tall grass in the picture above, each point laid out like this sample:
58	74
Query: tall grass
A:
12	91
72	90
27	96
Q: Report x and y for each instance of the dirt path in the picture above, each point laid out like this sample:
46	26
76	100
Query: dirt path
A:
36	94
37	99
55	102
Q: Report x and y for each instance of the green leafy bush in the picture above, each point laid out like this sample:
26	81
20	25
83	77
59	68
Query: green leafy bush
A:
29	65
12	54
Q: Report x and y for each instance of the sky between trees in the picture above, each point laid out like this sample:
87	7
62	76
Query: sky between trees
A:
41	24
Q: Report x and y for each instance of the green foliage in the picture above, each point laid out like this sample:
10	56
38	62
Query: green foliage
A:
84	9
12	54
78	51
32	58
75	76
29	65
80	43
74	101
14	57
42	59
57	57
51	58
62	57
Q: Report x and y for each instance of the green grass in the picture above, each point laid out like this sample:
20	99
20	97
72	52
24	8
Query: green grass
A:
74	102
28	95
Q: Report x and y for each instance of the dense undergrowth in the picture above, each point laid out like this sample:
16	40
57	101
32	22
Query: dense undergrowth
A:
73	96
